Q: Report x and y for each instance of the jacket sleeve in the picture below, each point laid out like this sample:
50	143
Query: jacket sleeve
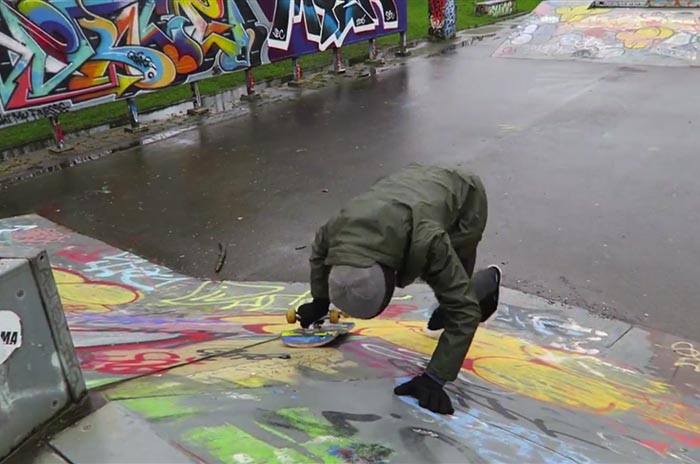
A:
445	274
319	270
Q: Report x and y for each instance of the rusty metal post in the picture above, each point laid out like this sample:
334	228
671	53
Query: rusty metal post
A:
196	101
296	67
249	82
58	136
251	94
297	73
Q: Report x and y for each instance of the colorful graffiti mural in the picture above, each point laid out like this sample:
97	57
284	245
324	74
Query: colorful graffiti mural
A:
578	31
540	384
442	17
56	55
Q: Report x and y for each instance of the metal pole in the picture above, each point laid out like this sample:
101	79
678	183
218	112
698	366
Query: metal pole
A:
249	82
373	49
403	50
338	62
296	67
251	94
196	100
58	135
134	117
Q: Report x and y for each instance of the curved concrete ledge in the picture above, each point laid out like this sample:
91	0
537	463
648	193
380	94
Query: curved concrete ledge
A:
194	370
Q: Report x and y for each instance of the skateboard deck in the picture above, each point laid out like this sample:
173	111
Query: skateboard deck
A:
313	337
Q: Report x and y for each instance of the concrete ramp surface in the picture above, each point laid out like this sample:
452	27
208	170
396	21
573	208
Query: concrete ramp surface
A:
579	30
194	371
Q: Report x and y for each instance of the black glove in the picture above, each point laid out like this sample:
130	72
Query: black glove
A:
311	312
429	393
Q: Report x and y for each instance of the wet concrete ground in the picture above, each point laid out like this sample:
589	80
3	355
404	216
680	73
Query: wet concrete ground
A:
591	171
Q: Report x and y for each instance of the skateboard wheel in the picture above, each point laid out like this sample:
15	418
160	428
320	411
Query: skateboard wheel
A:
291	315
334	316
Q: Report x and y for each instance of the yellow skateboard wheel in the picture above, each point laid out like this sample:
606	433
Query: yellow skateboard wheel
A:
291	315
334	316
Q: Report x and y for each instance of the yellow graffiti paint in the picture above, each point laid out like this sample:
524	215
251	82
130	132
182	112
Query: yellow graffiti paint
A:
263	366
237	295
578	13
80	294
565	379
644	37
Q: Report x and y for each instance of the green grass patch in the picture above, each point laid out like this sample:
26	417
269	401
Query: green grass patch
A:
116	111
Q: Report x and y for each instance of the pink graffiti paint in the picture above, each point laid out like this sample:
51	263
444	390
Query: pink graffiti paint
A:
690	440
81	256
38	236
141	363
395	310
657	446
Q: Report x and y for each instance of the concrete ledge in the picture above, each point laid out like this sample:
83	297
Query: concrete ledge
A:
196	368
495	8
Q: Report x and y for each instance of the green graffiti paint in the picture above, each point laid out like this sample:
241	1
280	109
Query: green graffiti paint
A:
159	408
277	433
228	443
96	383
231	444
150	387
302	419
328	443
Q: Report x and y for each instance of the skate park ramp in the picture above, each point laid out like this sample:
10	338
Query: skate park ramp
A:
583	30
194	371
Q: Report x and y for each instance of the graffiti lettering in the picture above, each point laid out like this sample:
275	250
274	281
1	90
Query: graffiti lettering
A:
132	271
328	23
56	56
568	334
232	295
7	232
81	256
689	355
91	296
139	364
39	236
32	114
472	395
495	8
9	338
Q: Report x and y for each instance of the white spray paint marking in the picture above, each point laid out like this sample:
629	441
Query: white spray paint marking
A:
242	458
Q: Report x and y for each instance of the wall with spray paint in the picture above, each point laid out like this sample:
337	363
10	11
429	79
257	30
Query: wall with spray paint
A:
57	55
542	383
442	16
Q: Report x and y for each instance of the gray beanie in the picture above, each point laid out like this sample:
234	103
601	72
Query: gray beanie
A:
359	291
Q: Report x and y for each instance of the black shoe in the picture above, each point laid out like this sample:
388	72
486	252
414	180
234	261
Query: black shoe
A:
436	323
489	304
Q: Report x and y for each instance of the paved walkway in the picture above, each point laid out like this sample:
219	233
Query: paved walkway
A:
194	371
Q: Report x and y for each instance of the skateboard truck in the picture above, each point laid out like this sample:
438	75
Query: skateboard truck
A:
334	316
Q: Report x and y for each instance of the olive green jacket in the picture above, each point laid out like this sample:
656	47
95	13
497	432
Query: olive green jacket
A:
423	222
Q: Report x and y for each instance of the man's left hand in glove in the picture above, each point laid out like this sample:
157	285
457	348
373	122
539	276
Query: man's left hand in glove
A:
429	393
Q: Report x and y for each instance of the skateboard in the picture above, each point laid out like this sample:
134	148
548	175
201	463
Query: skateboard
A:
320	333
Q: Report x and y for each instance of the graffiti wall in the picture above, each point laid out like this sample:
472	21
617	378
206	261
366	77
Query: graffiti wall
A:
442	17
573	30
202	363
56	55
